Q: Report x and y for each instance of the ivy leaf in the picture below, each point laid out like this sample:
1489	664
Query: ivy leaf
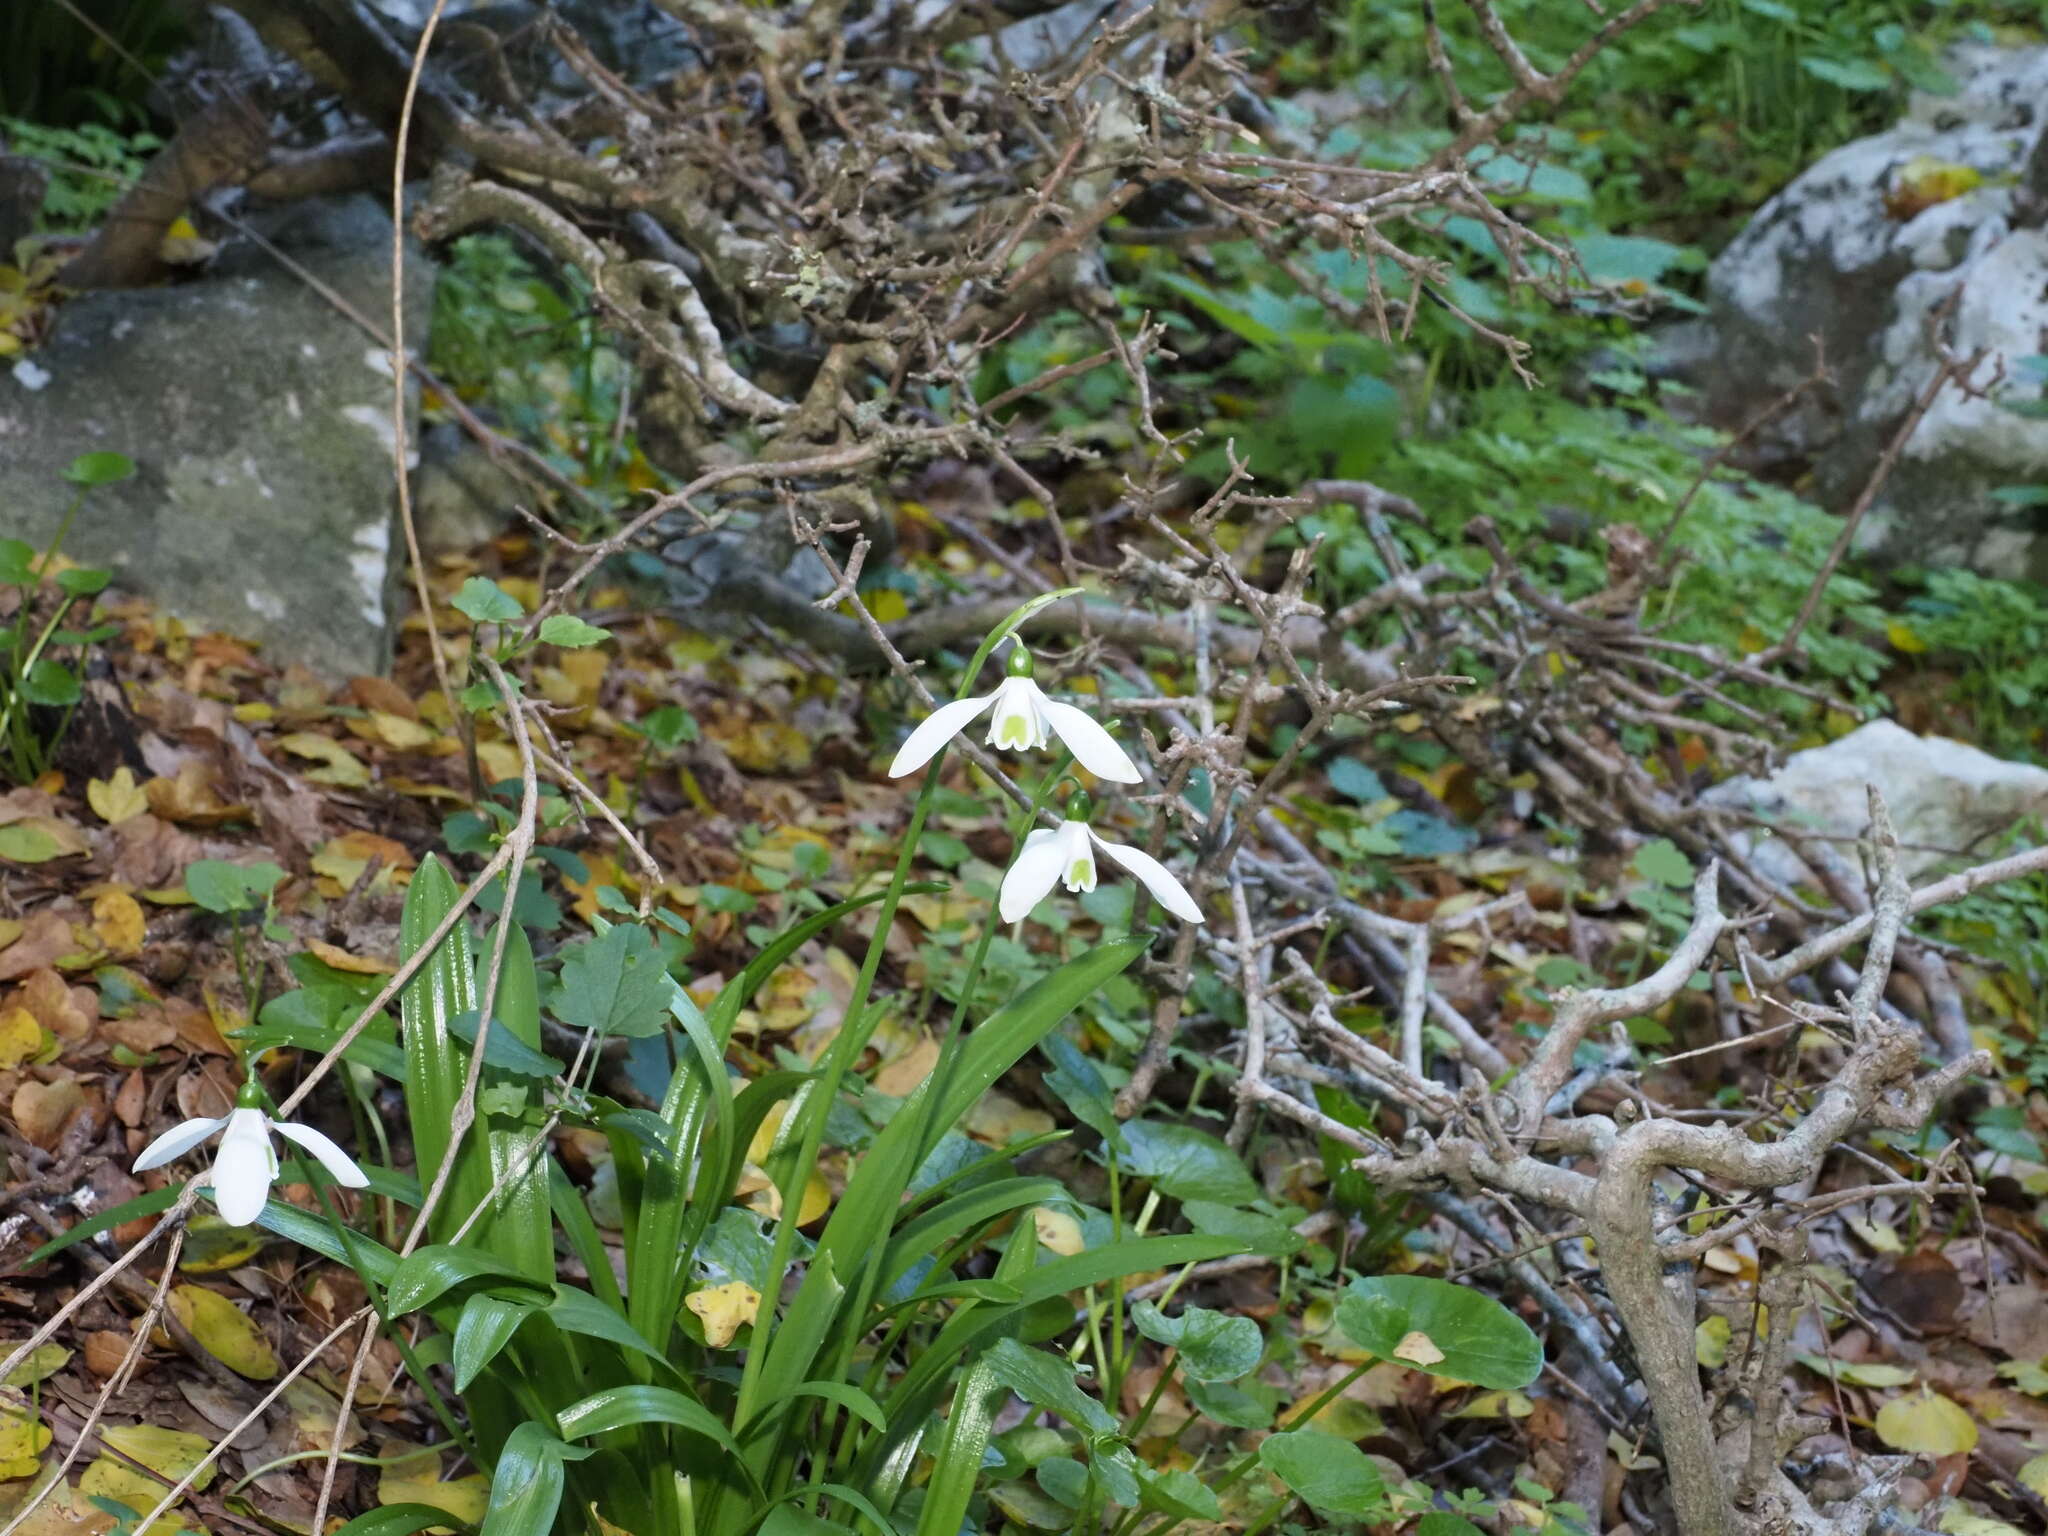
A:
483	600
614	984
1664	862
1187	1164
570	632
1213	1346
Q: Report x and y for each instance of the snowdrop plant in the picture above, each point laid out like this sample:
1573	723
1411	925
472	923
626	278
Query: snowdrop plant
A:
1052	855
1024	719
712	1370
246	1165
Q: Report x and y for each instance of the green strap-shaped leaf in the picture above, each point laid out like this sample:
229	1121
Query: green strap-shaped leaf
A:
622	1407
423	1277
526	1485
486	1326
436	1061
399	1520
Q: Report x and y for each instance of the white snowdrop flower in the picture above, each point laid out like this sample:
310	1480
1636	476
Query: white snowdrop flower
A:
1024	719
246	1165
1067	853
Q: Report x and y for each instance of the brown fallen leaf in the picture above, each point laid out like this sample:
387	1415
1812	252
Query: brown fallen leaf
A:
132	1101
104	1351
45	935
192	799
342	960
42	1110
66	1011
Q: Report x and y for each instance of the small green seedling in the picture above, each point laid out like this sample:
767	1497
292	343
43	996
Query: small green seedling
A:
31	676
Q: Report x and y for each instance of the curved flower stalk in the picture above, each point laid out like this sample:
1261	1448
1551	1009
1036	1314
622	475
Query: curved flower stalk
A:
246	1165
1067	853
1024	720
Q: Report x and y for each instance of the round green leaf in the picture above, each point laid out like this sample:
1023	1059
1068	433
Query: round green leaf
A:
99	468
84	581
1334	1476
1463	1333
50	683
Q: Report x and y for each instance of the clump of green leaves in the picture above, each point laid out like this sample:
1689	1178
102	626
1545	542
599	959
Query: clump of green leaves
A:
530	349
38	690
90	165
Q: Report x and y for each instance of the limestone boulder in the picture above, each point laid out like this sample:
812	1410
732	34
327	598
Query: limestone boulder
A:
259	419
1862	250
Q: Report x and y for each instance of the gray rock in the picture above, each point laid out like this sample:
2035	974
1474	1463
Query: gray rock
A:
1826	257
259	419
1947	800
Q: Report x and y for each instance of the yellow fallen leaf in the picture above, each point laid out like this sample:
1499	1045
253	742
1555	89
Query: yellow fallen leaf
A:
401	734
2035	1475
1058	1231
342	960
212	1247
500	760
1497	1405
117	919
43	1362
999	1120
898	1077
117	799
171	1452
416	1479
1926	1424
1417	1348
1880	1235
724	1310
1857	1373
1710	1341
23	1439
342	768
224	1331
1903	638
20	1037
1961	1522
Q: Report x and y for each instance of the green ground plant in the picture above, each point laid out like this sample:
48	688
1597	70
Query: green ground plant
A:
39	690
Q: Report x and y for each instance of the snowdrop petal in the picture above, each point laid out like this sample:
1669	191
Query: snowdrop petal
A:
1093	747
337	1162
244	1168
176	1142
1077	858
934	731
1157	878
1033	876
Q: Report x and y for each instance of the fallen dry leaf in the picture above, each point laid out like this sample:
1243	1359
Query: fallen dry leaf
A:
342	960
117	919
66	1011
117	799
224	1331
724	1310
44	936
42	1110
21	1037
